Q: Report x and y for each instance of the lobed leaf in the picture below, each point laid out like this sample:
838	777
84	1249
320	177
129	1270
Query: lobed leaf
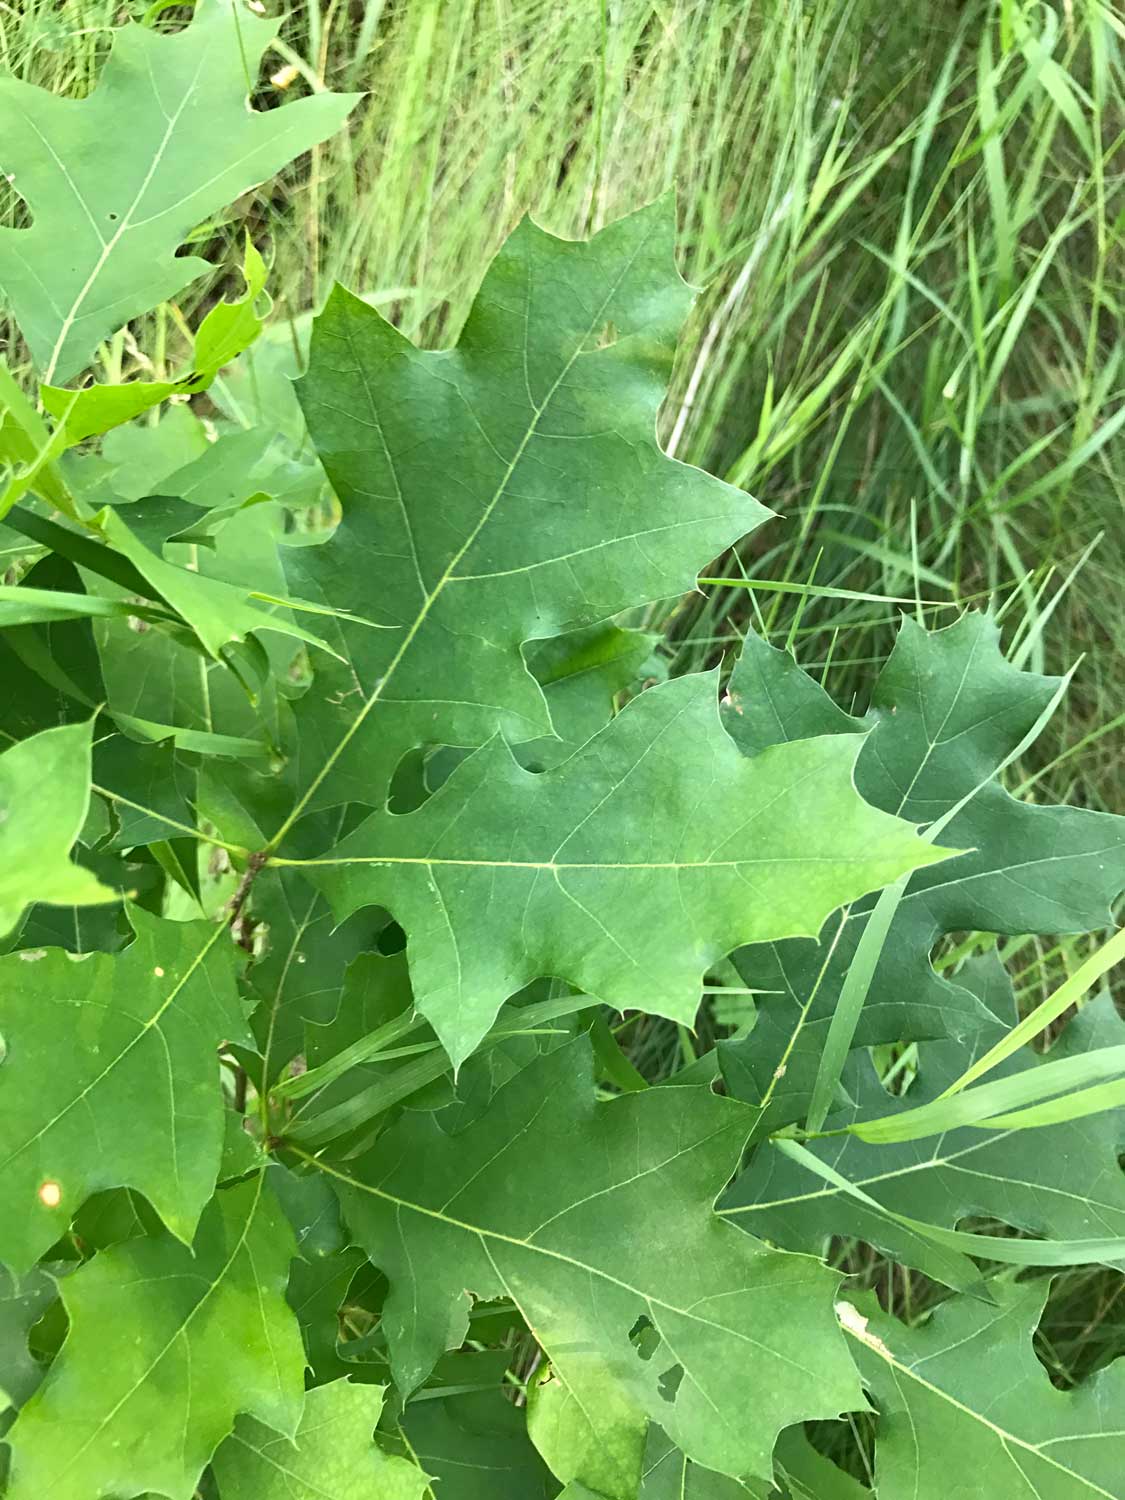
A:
946	711
626	871
116	182
44	798
331	1453
198	1335
500	492
110	1078
616	1241
1062	1181
968	1384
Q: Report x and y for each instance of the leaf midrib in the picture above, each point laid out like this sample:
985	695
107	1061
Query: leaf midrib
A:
579	1265
882	1352
108	246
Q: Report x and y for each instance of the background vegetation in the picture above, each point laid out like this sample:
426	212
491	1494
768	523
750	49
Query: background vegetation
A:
909	222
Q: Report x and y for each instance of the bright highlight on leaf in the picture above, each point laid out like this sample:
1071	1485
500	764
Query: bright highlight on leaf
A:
199	1335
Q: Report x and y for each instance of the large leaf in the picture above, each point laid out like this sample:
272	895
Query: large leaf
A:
116	182
1062	1181
197	1336
627	871
967	1409
331	1453
500	492
946	711
110	1078
44	797
618	1238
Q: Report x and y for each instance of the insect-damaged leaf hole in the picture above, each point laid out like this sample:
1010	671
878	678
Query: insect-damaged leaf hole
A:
14	212
645	1338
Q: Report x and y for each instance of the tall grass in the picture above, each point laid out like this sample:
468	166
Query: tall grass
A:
909	224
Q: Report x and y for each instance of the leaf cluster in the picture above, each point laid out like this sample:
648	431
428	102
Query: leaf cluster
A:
343	815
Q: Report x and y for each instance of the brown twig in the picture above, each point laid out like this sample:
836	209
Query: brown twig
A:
243	933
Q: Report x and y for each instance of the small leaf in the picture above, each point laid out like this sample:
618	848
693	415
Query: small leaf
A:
44	797
226	330
219	613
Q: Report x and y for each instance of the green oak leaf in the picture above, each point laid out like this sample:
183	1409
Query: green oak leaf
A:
966	1409
945	712
318	1287
116	182
226	330
504	491
297	979
626	871
110	1078
581	674
92	929
668	1474
151	788
608	1451
147	774
475	1445
219	613
618	1235
375	993
167	1345
44	799
1062	1181
22	1303
331	1453
800	1473
805	1474
139	459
